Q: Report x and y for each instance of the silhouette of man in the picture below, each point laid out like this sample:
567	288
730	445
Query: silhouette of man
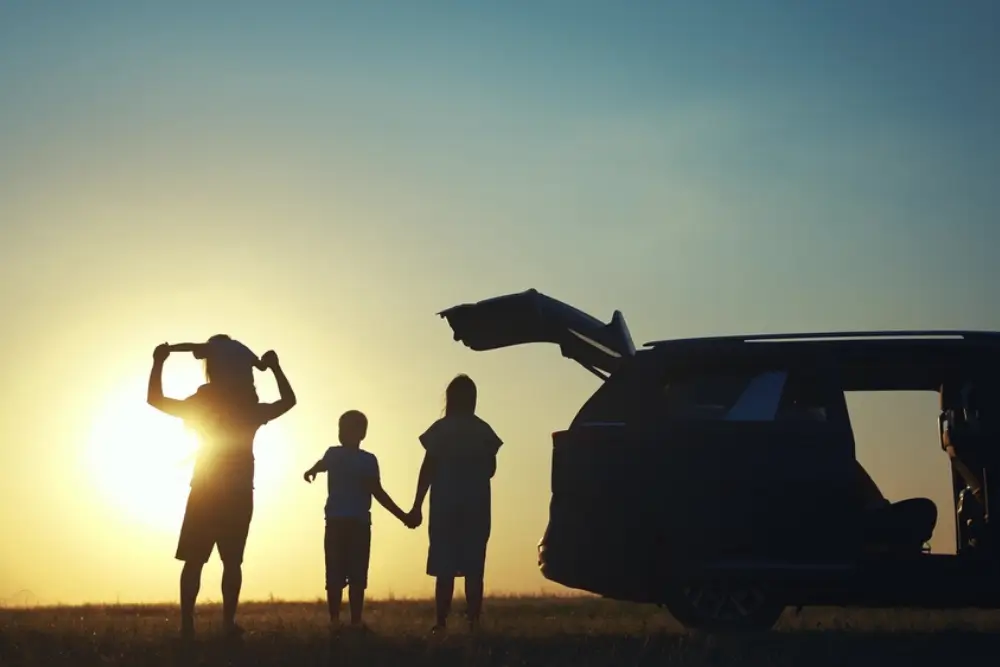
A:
226	414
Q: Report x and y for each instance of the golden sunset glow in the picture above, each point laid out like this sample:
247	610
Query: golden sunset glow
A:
323	182
140	460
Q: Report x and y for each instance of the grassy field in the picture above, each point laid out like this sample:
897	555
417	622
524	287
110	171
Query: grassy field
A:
517	631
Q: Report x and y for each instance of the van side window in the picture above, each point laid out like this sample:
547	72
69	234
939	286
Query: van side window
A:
806	399
724	396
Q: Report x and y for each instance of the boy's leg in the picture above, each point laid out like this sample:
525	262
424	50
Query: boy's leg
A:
334	599
356	593
359	549
336	579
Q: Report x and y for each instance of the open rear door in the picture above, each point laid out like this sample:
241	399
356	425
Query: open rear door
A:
532	317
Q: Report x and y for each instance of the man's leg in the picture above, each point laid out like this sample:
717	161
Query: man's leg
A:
194	546
233	526
190	585
232	584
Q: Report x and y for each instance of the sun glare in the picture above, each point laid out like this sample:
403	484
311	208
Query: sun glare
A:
141	460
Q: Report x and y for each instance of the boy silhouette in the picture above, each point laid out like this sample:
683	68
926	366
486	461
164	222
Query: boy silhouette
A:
352	480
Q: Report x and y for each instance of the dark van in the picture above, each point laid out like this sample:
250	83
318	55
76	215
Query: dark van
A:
717	476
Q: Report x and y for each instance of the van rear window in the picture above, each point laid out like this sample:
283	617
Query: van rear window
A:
724	396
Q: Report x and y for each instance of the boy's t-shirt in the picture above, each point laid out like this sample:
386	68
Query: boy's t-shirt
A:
349	474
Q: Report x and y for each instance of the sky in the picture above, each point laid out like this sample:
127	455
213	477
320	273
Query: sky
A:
323	178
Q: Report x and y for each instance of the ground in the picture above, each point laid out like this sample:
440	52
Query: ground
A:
517	631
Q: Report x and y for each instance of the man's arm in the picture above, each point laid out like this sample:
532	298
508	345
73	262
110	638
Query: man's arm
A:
154	391
286	396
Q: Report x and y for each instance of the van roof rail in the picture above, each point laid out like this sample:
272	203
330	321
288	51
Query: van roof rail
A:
931	334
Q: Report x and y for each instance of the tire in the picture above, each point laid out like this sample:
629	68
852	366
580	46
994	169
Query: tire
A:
720	606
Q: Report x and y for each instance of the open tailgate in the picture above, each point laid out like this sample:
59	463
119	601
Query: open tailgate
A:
532	317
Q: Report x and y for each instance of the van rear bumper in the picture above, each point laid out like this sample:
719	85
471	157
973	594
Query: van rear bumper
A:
601	571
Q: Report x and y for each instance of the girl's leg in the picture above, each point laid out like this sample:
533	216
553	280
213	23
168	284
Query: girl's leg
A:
444	590
474	598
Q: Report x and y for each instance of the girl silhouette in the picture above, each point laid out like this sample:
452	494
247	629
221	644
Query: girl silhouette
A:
459	462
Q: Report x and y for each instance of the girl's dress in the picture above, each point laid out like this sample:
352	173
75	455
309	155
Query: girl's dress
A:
463	449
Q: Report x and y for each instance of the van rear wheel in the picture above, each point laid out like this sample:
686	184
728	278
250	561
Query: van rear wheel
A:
721	606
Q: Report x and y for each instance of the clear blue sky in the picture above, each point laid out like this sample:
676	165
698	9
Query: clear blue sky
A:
329	175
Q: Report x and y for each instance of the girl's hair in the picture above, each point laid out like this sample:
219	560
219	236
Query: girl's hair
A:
229	364
460	396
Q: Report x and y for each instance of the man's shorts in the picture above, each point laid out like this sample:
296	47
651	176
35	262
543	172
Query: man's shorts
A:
216	515
347	545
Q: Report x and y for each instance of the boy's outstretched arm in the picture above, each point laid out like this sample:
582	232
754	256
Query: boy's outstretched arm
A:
318	467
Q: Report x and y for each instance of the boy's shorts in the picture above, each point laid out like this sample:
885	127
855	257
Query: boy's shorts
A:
347	545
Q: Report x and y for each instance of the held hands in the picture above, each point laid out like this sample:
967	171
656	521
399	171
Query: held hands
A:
413	518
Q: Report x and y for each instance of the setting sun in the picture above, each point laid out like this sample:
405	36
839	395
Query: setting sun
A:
141	461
